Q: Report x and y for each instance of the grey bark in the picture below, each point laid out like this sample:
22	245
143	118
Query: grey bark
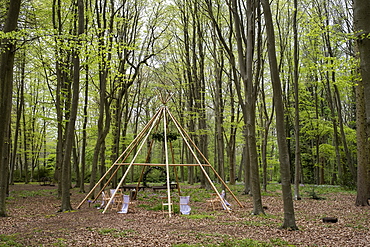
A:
289	218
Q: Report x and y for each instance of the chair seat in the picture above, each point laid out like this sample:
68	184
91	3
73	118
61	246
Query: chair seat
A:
214	203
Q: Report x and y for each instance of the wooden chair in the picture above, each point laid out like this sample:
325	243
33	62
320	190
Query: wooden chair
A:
117	200
213	203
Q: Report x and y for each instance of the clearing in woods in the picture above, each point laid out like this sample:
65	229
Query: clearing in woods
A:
33	220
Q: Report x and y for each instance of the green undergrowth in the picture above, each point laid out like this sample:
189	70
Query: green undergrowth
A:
326	189
32	193
9	240
199	216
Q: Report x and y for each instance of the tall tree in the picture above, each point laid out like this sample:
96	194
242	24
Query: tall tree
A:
361	23
7	48
245	40
70	135
289	218
297	176
105	27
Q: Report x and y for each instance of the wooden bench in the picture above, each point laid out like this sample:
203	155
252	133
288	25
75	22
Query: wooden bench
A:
132	187
164	187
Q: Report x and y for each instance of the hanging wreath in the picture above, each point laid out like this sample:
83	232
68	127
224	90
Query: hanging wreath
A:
160	136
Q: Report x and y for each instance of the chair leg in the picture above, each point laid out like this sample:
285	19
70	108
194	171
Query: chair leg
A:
163	208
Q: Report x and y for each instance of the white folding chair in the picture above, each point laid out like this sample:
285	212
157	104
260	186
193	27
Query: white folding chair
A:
184	204
125	204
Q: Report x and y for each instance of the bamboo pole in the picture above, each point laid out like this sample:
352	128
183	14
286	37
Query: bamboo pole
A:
200	165
167	167
133	160
127	152
206	160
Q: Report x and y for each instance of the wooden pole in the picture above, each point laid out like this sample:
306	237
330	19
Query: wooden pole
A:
206	160
133	160
200	165
167	167
127	151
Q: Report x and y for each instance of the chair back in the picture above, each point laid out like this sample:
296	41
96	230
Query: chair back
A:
126	198
184	199
184	204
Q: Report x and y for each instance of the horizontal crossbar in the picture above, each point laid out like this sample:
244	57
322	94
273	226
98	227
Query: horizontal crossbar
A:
151	164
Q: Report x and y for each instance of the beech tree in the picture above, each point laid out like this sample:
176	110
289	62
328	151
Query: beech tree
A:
7	49
289	218
362	28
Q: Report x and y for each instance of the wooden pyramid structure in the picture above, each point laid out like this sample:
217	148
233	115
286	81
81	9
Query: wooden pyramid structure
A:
162	115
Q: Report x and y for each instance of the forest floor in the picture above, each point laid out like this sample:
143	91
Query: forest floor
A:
33	220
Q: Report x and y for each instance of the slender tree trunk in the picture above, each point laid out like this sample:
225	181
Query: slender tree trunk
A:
84	133
105	48
20	106
297	133
289	218
25	147
331	103
76	163
246	71
349	162
70	132
7	48
266	127
219	108
231	145
190	82
61	67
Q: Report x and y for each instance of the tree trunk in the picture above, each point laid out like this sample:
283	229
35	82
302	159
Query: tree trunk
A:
289	218
361	12
297	162
219	108
84	133
363	157
20	106
361	23
105	47
70	132
331	101
231	144
349	162
6	89
76	163
25	147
